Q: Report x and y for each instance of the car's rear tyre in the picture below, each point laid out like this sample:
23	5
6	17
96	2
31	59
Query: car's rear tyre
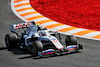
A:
70	40
11	40
35	47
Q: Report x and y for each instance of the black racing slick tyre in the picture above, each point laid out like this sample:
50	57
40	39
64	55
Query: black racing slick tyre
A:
39	45
11	40
70	40
35	47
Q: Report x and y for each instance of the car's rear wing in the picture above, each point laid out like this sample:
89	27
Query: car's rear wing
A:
20	26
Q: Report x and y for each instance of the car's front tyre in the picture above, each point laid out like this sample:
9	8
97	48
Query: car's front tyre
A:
70	40
35	47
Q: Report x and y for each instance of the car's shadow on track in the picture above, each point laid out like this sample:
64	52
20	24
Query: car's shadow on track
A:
3	48
18	51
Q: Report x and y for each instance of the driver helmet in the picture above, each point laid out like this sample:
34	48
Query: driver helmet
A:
33	22
43	33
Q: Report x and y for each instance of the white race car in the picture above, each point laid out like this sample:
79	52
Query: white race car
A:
40	41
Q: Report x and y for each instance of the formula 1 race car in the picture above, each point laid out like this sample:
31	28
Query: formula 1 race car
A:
39	40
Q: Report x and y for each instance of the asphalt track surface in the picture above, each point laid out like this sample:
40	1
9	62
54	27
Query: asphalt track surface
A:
88	57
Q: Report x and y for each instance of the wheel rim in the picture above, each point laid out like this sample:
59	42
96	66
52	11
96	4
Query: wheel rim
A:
33	50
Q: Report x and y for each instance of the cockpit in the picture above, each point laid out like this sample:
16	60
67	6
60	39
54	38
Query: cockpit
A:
43	33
